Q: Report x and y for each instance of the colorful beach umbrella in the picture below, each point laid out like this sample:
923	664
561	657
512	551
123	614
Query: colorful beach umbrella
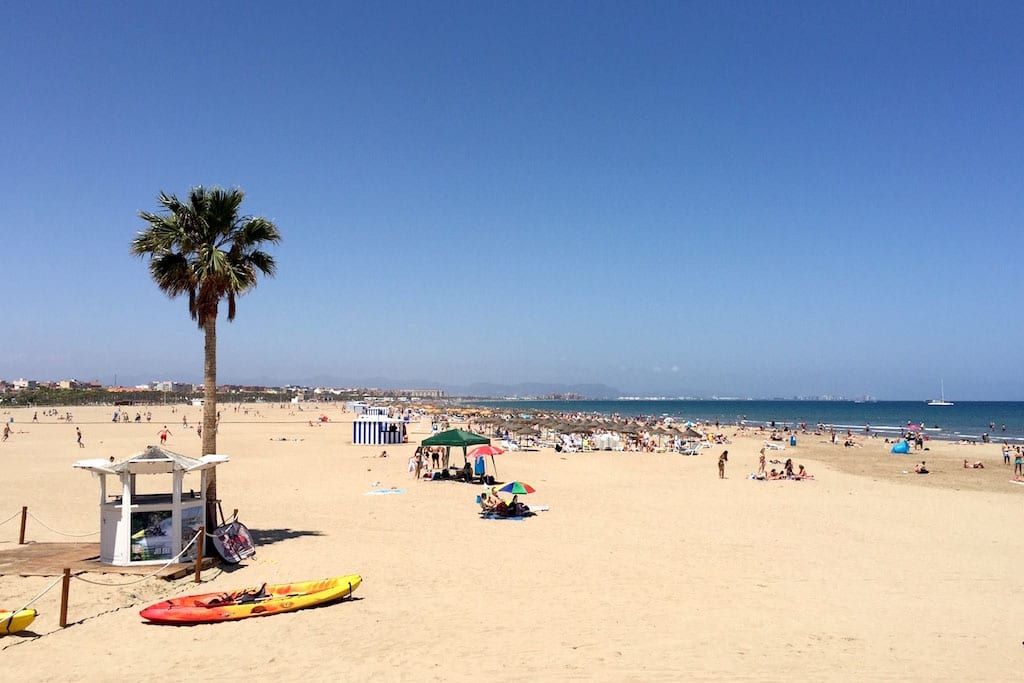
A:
517	488
486	450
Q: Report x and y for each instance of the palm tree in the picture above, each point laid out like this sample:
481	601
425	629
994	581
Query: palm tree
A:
203	248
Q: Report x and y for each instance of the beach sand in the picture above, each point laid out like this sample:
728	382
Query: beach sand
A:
646	567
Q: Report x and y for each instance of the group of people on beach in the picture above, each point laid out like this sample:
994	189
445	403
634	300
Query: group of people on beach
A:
123	416
52	412
784	472
427	459
493	503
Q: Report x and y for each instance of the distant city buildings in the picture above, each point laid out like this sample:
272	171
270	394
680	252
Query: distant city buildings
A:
172	387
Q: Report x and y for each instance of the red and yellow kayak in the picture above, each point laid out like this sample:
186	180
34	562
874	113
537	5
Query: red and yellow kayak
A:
259	601
12	622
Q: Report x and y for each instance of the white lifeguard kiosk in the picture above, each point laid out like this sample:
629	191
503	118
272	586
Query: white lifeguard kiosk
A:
150	528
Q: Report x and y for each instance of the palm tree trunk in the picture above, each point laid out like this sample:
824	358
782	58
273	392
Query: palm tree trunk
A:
210	416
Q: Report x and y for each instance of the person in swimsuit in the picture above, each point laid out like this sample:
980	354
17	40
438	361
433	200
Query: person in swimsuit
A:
722	459
486	502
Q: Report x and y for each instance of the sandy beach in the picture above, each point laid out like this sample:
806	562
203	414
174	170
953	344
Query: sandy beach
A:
646	567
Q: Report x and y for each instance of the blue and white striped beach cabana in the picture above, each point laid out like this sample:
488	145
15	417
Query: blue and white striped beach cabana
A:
377	429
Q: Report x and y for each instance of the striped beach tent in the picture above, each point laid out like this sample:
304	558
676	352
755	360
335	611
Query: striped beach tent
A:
376	430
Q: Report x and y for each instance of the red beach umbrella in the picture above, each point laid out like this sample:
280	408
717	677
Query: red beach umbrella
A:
481	451
486	450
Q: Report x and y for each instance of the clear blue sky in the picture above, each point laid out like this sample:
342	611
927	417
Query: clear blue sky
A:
738	198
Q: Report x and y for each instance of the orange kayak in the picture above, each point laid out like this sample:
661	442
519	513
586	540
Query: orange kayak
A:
259	601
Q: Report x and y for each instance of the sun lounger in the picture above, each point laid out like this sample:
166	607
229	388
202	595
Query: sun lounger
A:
691	449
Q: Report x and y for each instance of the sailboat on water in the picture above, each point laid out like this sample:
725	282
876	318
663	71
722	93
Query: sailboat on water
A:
942	401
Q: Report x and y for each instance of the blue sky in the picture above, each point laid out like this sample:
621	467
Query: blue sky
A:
671	198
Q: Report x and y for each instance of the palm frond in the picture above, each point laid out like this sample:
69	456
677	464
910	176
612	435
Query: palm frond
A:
201	247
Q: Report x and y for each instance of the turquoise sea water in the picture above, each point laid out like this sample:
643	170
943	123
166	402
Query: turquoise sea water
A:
968	419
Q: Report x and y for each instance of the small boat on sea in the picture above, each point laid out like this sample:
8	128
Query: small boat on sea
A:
259	601
942	401
18	620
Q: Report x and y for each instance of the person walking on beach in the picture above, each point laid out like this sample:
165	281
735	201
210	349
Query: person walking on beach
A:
722	459
7	431
163	434
760	462
78	437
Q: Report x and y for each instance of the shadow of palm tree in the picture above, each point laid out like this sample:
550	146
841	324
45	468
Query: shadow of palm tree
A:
269	536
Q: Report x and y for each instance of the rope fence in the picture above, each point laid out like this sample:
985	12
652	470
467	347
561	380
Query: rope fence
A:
65	579
45	591
156	571
50	528
25	514
10	518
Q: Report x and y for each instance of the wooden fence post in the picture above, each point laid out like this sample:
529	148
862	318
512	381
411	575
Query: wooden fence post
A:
200	542
24	518
64	598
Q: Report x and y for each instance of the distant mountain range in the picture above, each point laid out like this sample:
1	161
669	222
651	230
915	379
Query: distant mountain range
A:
484	390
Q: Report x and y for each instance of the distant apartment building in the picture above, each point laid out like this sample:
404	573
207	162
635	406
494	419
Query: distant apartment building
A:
68	384
20	384
425	393
411	393
173	387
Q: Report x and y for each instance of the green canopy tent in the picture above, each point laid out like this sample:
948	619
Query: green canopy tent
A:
456	437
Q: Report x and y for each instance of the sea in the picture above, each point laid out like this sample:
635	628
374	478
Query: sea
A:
971	420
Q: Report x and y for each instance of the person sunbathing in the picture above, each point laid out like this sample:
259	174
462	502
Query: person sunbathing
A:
487	503
921	469
499	503
978	465
803	474
775	475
